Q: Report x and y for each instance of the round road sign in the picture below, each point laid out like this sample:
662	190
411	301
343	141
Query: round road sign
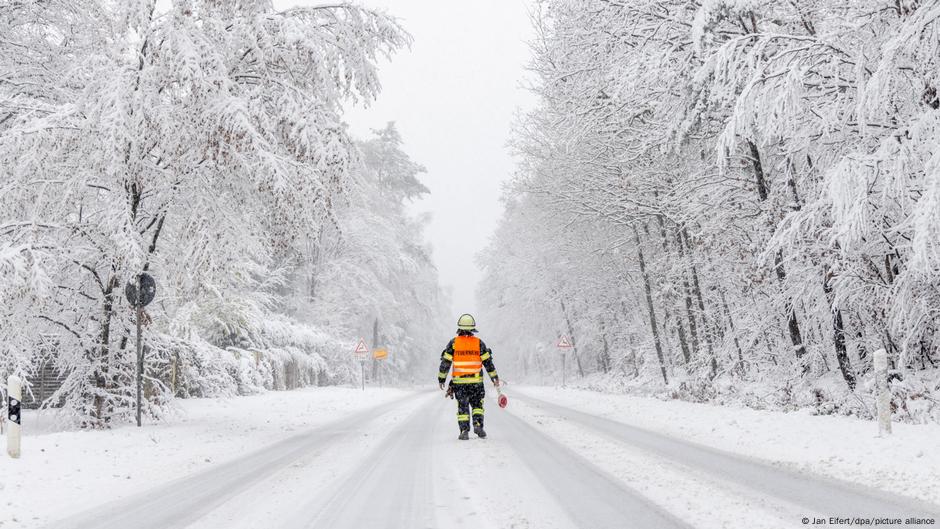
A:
148	290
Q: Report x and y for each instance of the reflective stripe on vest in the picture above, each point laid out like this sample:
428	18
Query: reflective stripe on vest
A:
467	356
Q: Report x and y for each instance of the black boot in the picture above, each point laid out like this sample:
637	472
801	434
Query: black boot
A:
464	435
478	429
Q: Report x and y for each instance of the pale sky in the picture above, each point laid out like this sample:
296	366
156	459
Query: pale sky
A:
453	97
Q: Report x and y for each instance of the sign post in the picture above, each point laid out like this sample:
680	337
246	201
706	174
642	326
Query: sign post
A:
379	354
14	403
564	344
361	352
140	293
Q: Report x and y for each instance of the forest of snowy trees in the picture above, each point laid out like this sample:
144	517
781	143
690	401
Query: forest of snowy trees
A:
728	200
204	144
719	200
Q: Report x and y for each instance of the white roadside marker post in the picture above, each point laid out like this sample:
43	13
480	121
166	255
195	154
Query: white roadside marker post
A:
883	396
14	401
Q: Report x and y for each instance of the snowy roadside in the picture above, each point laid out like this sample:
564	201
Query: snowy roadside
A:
834	446
685	492
61	473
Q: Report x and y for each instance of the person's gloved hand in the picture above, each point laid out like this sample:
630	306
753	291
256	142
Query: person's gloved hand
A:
496	383
441	384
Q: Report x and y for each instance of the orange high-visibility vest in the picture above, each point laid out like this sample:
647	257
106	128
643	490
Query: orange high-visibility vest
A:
467	356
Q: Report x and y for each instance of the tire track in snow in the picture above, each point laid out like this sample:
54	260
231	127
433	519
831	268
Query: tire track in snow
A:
823	495
421	477
182	501
688	493
592	498
391	487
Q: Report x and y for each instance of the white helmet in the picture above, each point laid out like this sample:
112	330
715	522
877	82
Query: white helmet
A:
466	323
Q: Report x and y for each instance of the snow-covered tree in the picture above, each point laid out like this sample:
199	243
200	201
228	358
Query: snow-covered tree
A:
203	144
753	180
372	268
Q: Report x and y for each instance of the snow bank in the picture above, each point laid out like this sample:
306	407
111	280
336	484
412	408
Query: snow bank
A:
844	448
912	397
66	472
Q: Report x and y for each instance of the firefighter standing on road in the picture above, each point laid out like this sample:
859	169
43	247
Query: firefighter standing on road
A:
468	355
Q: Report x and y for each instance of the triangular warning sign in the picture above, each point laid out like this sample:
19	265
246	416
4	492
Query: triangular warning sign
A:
564	342
361	349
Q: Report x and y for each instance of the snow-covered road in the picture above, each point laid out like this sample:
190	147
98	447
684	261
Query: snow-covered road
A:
399	465
714	488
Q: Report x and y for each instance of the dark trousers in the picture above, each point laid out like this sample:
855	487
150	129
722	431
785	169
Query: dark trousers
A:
469	404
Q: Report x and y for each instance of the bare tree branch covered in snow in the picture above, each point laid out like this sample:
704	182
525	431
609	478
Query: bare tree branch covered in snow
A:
766	171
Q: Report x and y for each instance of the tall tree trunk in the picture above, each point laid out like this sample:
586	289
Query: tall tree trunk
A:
793	326
734	334
680	330
665	335
838	332
101	415
683	341
649	304
687	294
605	359
574	344
762	189
696	289
605	351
